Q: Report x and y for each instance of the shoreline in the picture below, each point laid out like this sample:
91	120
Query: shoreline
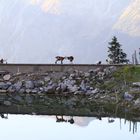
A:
108	91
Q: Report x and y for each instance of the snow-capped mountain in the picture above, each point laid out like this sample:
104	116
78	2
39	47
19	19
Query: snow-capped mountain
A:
35	31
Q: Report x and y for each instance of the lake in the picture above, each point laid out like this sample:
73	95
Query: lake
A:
43	127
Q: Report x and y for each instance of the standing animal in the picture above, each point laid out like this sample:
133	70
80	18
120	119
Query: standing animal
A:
98	63
61	59
2	61
70	58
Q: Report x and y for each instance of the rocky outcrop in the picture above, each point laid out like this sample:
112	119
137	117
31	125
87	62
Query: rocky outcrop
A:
97	85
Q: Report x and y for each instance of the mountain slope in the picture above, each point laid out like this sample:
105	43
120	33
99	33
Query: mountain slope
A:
129	21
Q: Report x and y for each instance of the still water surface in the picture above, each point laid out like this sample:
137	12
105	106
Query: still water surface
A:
27	127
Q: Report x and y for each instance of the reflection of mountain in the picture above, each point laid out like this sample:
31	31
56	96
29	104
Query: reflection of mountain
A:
83	121
80	121
37	30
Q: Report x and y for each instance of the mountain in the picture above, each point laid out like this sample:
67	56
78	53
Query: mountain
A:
129	21
35	31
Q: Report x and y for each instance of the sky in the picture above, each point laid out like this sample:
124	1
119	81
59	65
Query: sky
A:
45	128
35	31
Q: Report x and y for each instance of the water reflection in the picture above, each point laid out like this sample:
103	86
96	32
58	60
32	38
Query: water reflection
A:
43	127
4	116
61	119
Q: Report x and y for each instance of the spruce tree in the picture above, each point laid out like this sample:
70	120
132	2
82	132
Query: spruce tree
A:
116	54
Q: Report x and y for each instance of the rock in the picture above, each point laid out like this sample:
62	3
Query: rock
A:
11	89
3	91
136	84
73	88
18	85
97	70
78	92
29	84
72	76
50	88
87	75
137	102
63	87
39	83
95	91
7	103
58	90
47	79
18	98
112	68
41	89
28	90
3	72
29	99
4	85
7	77
91	71
22	90
83	86
128	96
34	91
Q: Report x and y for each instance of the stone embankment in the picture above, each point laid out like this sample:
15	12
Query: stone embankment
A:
81	88
72	82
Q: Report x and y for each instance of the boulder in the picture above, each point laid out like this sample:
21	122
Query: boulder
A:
50	88
28	99
11	89
18	85
86	75
7	103
73	88
28	90
7	77
29	84
22	90
63	87
47	79
95	91
18	98
4	85
39	83
136	84
128	97
137	102
3	91
34	91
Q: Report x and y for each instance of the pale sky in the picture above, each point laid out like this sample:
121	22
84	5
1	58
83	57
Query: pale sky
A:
35	31
25	127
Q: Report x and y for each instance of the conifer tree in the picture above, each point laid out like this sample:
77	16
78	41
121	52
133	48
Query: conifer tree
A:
116	54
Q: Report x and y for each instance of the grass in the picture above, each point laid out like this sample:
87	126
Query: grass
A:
128	74
122	78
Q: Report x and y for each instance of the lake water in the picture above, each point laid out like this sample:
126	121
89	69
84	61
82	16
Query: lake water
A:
34	127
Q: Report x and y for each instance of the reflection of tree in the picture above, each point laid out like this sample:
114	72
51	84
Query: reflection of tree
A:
132	125
4	116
